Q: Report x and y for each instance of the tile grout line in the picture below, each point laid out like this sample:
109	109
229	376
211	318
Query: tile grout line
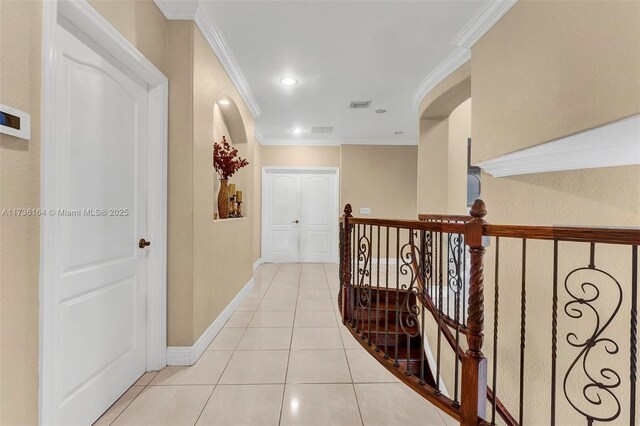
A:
286	371
344	349
230	357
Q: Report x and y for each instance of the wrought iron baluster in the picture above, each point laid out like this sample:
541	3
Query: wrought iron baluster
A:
423	274
496	295
554	332
584	304
439	286
633	335
369	289
396	364
378	292
523	324
459	284
386	301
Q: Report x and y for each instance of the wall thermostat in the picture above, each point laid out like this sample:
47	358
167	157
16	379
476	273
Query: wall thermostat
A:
14	122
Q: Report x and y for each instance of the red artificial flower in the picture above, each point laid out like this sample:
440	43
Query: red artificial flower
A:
225	159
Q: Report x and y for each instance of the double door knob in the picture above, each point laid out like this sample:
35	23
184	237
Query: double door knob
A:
296	221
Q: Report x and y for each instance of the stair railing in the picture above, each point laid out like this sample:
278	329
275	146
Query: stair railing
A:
435	288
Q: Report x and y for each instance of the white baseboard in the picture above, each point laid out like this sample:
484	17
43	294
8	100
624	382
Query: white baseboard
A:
188	355
257	263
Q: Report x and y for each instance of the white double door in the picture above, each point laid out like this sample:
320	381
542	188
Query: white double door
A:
300	215
95	341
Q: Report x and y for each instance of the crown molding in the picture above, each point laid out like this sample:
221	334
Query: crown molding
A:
614	144
299	142
481	22
193	10
455	60
396	142
338	142
258	136
477	26
178	9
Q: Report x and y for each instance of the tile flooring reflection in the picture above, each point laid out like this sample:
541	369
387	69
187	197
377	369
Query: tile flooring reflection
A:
282	358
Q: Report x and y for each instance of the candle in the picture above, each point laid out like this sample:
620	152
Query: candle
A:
239	196
232	189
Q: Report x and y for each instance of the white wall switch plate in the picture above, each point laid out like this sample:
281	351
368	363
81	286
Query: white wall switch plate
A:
365	210
14	122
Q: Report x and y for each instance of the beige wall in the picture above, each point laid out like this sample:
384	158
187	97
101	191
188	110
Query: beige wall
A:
546	70
222	249
300	156
550	69
459	133
432	166
20	50
380	177
208	262
180	182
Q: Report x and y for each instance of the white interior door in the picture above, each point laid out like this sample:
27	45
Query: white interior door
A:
300	215
98	347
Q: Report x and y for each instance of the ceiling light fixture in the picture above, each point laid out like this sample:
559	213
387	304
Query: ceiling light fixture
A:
381	111
297	131
224	102
288	81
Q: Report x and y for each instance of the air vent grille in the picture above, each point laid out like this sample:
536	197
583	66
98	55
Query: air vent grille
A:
360	104
322	130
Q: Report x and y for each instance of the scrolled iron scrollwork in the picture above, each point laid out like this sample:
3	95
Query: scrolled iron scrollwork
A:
364	257
597	401
409	254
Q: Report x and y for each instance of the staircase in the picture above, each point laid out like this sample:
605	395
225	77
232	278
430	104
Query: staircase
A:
387	324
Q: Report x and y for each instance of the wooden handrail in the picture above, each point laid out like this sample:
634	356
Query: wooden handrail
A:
585	234
444	217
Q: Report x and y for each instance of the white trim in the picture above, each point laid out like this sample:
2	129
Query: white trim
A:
455	60
481	22
90	22
258	136
477	26
337	142
189	355
178	10
222	50
193	10
614	144
299	142
257	264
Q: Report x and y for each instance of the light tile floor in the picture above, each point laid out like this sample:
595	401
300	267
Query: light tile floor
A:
282	358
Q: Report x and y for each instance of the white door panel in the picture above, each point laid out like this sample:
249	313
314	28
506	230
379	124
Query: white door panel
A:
300	216
100	323
318	217
283	209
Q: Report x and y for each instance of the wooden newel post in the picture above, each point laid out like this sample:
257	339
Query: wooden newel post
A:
345	262
474	364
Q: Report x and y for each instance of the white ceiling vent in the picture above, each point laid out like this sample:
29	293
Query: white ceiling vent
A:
360	104
322	130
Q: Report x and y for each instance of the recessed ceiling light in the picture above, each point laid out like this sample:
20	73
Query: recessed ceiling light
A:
224	102
296	131
381	111
288	81
399	132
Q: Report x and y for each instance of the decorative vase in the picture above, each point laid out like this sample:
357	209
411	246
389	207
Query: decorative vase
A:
223	199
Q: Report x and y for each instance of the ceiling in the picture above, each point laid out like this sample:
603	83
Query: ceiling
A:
386	52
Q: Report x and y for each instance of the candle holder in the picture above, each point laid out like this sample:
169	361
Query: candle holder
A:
232	206
239	209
